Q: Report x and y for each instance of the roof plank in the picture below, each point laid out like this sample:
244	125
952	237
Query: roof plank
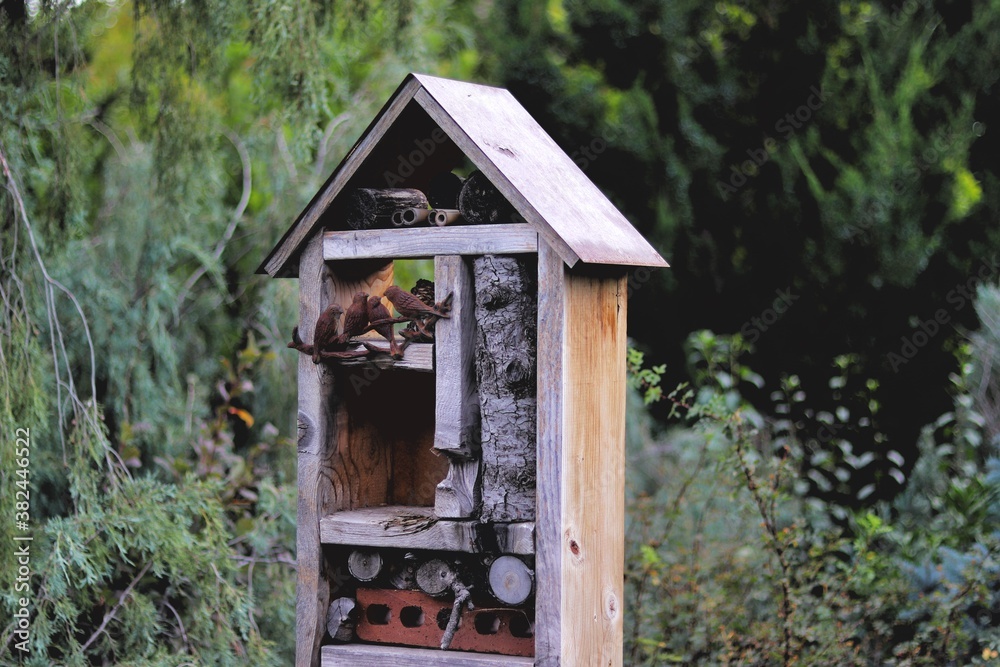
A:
536	175
502	139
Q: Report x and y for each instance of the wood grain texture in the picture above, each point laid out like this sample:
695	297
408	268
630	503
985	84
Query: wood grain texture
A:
422	242
545	185
515	538
408	527
506	306
548	520
303	227
399	527
458	496
366	655
315	386
456	423
593	470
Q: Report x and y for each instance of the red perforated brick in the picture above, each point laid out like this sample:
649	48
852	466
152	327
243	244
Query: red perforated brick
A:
412	618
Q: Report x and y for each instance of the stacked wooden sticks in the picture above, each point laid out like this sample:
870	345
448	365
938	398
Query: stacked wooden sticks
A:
449	200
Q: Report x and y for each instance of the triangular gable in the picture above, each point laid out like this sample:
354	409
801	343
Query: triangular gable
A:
503	141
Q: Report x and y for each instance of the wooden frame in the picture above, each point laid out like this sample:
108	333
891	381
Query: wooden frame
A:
389	450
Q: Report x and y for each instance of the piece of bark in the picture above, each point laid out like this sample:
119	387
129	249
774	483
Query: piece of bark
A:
481	203
506	314
340	619
510	580
371	208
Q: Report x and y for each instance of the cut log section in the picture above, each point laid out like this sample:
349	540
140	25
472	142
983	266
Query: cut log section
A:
435	577
403	573
364	564
481	203
443	190
340	619
506	314
511	581
370	208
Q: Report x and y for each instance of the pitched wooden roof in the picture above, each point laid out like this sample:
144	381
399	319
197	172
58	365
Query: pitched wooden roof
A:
503	141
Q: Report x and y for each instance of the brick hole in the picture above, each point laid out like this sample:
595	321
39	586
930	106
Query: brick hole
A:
411	617
378	614
521	627
443	617
487	623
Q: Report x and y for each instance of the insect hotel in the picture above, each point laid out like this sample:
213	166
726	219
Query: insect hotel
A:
461	443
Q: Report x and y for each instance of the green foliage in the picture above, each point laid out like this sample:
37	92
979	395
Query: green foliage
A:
835	150
152	152
732	561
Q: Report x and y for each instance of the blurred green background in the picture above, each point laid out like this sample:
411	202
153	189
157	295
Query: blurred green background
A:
814	474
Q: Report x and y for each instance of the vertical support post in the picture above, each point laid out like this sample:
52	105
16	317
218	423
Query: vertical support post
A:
456	420
315	389
593	458
549	500
580	551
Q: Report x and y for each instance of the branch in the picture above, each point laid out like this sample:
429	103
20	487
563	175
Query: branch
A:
241	208
51	284
114	610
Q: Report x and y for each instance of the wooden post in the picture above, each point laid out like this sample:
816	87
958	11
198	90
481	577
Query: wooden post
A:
505	369
315	390
581	457
456	423
548	524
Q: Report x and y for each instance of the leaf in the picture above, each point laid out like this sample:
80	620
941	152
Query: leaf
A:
242	414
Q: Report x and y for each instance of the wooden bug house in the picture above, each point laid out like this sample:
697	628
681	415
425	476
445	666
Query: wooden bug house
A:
461	444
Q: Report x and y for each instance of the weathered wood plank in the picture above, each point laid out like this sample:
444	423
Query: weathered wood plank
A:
397	526
506	306
366	655
408	527
303	227
548	522
545	184
593	458
424	242
456	424
315	386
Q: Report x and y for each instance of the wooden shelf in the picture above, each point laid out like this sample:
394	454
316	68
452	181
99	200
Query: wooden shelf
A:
404	527
368	655
416	357
419	242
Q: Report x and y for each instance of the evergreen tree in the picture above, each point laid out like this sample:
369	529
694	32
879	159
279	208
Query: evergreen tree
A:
820	176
